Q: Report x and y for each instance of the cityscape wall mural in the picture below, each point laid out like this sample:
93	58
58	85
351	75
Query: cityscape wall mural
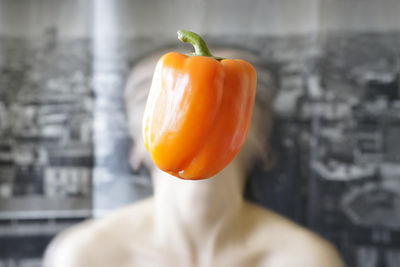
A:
64	142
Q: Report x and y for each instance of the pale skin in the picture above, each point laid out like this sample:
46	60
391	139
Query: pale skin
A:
191	224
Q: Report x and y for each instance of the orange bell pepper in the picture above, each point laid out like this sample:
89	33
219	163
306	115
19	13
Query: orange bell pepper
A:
198	111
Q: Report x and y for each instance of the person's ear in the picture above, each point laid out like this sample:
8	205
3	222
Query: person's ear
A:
260	137
268	158
262	153
136	157
140	157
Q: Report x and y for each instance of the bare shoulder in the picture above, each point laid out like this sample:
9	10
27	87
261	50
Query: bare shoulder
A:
289	244
92	242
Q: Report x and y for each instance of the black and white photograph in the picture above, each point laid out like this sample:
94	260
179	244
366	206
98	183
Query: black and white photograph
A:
318	176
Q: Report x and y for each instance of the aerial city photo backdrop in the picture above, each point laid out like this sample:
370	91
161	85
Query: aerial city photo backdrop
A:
64	141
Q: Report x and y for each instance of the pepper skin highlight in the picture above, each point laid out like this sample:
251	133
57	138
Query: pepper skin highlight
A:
198	111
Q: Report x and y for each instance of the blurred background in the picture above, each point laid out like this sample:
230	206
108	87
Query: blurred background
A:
64	141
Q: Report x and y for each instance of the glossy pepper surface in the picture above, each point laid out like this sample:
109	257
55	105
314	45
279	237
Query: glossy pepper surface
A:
198	111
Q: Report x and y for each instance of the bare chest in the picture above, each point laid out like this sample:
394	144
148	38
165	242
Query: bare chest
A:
151	257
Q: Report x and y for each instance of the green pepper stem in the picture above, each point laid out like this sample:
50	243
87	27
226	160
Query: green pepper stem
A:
200	46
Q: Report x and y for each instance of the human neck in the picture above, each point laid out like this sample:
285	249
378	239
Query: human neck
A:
191	214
